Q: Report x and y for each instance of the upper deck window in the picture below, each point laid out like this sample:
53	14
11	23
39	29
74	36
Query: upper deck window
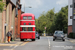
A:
24	17
29	17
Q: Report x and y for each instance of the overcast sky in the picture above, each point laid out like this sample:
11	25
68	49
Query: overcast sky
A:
38	6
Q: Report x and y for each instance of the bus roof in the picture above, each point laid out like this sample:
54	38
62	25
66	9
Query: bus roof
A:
29	14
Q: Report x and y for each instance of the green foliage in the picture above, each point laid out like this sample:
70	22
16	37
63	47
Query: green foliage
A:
1	6
70	35
53	21
0	0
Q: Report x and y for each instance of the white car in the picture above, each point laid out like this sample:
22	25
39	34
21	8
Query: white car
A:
58	35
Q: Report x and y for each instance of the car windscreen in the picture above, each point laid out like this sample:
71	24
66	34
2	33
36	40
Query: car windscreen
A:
59	32
36	32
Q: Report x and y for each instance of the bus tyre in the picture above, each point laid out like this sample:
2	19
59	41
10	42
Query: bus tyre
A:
33	39
21	39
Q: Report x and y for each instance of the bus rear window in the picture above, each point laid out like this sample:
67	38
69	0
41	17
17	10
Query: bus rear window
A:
30	29
24	28
24	17
29	17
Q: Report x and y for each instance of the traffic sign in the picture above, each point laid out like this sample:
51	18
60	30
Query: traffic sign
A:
45	27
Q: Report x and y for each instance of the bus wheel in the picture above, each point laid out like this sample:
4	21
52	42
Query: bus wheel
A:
33	39
21	39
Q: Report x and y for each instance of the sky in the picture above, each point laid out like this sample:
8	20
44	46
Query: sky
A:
38	6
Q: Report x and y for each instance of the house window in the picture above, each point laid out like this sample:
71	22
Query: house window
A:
71	6
74	5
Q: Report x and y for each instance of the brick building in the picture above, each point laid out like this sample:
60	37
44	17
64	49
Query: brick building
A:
7	19
17	22
71	17
70	2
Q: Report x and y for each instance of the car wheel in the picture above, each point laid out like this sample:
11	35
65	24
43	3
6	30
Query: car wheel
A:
38	37
63	39
53	39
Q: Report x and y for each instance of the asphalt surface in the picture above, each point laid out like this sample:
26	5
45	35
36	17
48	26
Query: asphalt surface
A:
44	43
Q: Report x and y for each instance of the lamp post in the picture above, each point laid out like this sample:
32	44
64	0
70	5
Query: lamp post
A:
26	7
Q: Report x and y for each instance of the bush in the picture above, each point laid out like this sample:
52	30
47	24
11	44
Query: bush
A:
70	35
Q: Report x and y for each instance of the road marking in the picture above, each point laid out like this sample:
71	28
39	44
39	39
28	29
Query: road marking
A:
19	43
24	43
49	42
8	49
7	44
11	46
16	46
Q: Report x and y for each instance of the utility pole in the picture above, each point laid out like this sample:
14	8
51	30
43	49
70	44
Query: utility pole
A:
24	7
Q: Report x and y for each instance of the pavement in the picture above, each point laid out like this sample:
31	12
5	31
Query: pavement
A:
71	40
12	43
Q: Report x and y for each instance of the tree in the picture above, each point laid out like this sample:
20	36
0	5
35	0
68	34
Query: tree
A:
53	21
1	5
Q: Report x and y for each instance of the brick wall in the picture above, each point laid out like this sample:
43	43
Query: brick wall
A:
69	29
19	15
16	25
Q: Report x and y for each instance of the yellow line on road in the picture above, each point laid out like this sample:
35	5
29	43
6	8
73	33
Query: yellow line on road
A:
19	43
7	44
8	49
24	43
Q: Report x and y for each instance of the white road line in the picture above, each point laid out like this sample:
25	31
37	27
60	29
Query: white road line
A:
8	49
49	42
16	46
11	45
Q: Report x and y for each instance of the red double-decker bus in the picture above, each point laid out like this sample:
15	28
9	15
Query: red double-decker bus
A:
27	26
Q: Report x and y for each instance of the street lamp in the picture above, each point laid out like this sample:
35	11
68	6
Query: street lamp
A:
26	7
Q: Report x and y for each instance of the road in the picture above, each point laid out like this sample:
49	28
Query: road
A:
44	43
